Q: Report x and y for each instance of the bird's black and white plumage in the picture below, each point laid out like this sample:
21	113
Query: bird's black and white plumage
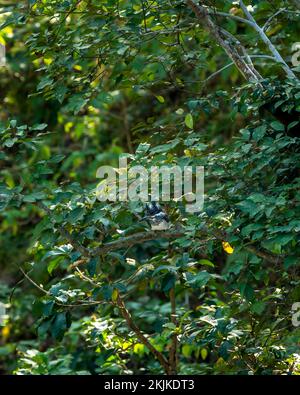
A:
157	218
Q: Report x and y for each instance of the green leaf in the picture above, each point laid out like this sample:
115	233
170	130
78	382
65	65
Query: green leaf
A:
204	353
45	81
168	282
76	215
291	261
5	197
189	121
143	148
246	291
293	124
107	291
60	93
160	99
165	147
10	142
48	308
206	262
278	126
53	264
64	250
33	197
167	268
92	266
60	325
41	126
200	279
76	103
259	132
258	307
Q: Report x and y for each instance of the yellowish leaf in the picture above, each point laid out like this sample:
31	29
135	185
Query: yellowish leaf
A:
220	362
188	153
227	247
187	350
139	349
189	121
48	61
5	332
160	99
115	294
204	353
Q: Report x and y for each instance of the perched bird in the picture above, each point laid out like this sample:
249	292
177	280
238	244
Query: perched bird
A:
157	218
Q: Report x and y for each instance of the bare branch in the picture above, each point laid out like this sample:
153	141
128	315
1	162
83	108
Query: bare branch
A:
235	17
231	64
244	53
141	237
267	41
202	14
137	238
142	338
33	282
174	345
80	303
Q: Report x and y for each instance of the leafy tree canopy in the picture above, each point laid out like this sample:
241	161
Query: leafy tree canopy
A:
89	287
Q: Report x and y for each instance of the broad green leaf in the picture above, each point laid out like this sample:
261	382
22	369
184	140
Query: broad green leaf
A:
189	121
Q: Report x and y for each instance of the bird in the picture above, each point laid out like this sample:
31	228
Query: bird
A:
157	218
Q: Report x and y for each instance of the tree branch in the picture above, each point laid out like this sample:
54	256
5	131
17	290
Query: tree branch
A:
174	345
141	237
267	41
231	64
266	25
249	73
235	17
242	49
137	238
142	338
274	259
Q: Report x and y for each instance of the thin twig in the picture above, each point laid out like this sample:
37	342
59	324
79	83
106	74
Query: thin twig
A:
235	17
266	25
232	63
33	282
267	41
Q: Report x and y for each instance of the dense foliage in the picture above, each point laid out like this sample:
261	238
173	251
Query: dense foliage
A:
88	287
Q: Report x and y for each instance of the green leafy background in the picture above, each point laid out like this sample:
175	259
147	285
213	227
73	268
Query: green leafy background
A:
87	81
